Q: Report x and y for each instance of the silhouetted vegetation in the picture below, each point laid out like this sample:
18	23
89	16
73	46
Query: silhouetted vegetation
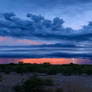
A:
34	84
59	90
68	69
1	77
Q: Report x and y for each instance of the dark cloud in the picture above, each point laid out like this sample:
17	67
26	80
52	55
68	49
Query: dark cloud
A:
37	27
68	42
45	52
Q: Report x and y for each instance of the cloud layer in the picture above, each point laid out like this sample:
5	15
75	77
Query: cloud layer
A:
37	27
72	43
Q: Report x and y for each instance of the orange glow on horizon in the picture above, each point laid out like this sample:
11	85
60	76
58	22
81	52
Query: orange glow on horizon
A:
49	60
44	60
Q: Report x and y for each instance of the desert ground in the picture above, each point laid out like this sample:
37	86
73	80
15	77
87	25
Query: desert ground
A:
73	83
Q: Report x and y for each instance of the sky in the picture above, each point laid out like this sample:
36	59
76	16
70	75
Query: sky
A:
58	28
75	13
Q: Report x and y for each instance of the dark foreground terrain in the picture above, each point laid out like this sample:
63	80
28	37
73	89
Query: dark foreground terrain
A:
47	68
45	78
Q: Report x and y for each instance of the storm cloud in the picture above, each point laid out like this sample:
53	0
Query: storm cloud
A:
37	27
67	42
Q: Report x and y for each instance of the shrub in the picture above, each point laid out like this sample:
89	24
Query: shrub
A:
36	81
0	77
20	62
52	72
34	84
7	72
59	90
18	88
48	82
66	73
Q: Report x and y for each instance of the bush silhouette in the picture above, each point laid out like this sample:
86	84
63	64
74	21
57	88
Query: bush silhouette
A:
59	90
68	69
1	77
34	84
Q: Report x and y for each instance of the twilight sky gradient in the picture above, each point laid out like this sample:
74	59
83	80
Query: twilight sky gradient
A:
58	28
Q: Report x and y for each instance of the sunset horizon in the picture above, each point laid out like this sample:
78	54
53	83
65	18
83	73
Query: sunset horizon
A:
45	45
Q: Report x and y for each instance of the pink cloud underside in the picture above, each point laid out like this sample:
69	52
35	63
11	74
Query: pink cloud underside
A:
14	41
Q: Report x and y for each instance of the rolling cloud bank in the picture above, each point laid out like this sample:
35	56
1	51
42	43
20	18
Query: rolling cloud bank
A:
62	42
